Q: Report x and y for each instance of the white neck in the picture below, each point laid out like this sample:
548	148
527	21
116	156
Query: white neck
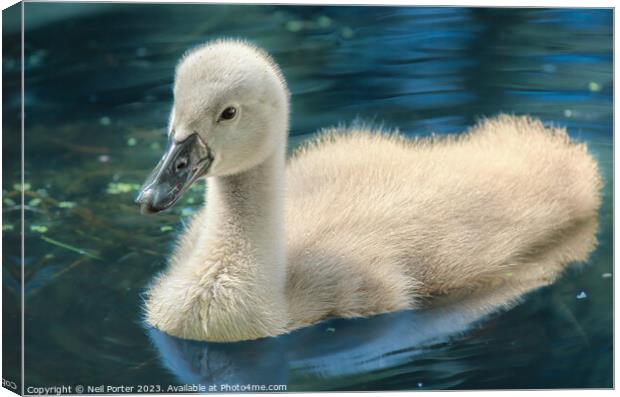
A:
245	225
252	203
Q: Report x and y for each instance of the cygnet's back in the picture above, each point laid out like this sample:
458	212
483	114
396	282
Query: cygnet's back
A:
378	223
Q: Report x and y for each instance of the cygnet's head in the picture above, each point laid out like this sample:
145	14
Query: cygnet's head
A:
230	114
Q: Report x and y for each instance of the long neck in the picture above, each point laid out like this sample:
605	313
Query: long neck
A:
228	275
245	216
252	203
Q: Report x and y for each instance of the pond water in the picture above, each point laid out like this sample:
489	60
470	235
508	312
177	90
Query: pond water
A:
97	94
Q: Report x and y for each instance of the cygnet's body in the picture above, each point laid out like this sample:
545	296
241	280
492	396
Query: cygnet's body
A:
358	222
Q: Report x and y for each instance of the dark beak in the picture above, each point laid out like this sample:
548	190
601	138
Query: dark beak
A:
182	164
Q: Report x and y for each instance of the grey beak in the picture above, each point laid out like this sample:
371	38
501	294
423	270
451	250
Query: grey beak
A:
182	164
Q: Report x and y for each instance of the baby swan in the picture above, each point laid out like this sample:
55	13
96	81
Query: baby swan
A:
359	222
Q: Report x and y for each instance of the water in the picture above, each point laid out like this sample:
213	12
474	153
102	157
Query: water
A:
97	95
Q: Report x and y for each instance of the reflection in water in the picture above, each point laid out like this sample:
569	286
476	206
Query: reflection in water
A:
260	362
329	354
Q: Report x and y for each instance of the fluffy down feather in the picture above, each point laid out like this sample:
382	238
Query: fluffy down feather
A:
361	221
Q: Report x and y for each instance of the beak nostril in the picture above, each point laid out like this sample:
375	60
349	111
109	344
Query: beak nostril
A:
181	164
174	174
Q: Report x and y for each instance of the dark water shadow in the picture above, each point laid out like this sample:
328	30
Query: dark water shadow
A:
329	353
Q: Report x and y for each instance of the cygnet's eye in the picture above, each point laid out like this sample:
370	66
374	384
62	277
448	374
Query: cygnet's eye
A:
229	113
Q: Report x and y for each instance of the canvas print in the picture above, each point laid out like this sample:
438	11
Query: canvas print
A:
280	198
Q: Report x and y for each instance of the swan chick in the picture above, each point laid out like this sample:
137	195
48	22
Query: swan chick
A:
359	221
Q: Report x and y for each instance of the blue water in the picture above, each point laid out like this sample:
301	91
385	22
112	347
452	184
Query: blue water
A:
97	96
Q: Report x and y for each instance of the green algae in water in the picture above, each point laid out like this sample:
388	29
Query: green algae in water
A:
39	228
18	187
347	32
66	204
34	202
324	21
294	26
122	187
